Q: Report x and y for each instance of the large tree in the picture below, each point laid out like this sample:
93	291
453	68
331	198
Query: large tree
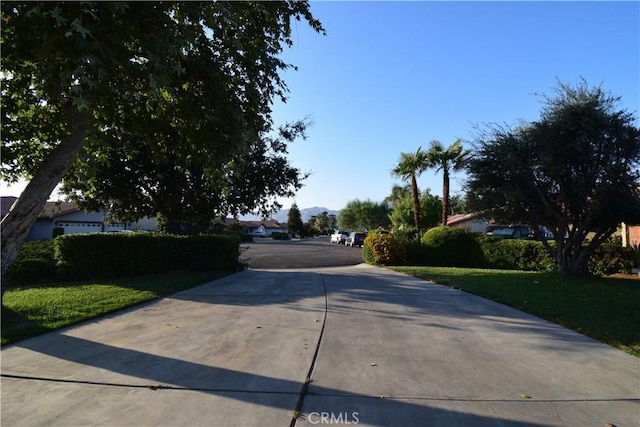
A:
364	215
71	70
409	167
575	171
447	160
186	192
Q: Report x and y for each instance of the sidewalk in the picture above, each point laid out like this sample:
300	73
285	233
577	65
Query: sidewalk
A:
394	351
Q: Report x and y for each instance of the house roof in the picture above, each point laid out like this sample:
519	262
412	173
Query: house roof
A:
50	210
458	218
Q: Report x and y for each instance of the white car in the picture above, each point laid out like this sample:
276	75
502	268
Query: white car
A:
339	236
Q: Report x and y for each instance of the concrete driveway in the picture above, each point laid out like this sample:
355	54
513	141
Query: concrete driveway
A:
373	347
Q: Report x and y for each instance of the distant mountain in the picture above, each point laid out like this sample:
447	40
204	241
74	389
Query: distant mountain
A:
283	215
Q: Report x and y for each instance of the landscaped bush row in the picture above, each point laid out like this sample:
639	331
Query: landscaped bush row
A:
121	254
455	247
35	264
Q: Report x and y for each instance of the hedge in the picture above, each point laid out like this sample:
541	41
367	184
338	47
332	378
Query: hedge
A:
81	256
449	246
507	254
35	264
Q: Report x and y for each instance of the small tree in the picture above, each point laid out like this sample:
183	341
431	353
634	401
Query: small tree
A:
401	215
294	222
321	222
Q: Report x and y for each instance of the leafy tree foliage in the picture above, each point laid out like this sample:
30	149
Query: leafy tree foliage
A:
409	167
365	215
447	160
201	75
574	171
187	193
294	221
322	222
430	206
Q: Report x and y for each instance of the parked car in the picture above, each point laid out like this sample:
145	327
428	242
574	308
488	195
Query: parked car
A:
356	239
340	236
520	232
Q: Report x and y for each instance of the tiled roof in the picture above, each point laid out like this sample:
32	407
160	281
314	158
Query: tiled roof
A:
454	219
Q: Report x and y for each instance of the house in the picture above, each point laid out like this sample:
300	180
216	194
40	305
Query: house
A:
66	218
630	235
474	222
257	228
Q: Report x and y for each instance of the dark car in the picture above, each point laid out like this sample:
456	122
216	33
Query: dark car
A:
356	239
519	232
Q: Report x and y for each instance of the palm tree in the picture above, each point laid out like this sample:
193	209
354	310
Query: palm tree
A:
446	160
408	168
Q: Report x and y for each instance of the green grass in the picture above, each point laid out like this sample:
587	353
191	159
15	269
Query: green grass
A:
33	310
605	309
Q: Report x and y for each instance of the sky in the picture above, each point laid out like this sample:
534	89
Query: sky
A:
390	77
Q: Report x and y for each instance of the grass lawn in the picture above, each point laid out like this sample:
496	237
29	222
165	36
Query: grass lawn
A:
33	310
605	309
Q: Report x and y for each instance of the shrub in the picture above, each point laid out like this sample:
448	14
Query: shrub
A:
509	254
611	258
383	249
35	264
451	247
81	256
409	237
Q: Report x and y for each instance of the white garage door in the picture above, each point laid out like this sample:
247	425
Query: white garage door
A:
70	227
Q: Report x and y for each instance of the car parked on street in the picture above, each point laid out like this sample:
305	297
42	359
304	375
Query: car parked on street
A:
356	239
339	236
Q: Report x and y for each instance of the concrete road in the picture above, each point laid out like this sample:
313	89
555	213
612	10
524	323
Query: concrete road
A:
374	347
303	253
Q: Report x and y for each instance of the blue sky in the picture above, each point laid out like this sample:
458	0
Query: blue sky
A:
391	76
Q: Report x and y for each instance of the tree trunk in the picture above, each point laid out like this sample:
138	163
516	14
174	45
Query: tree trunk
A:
445	195
571	260
416	203
16	225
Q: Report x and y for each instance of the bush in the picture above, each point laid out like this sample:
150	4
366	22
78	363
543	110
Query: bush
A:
612	258
449	246
35	264
509	254
383	249
409	237
82	256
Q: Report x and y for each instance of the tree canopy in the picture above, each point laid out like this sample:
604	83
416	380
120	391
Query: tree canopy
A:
574	171
358	215
191	81
401	215
446	160
294	221
408	168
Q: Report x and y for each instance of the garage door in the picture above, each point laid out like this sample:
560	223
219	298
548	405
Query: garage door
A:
70	227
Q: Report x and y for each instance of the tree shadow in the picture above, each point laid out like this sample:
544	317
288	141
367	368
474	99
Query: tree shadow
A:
168	374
